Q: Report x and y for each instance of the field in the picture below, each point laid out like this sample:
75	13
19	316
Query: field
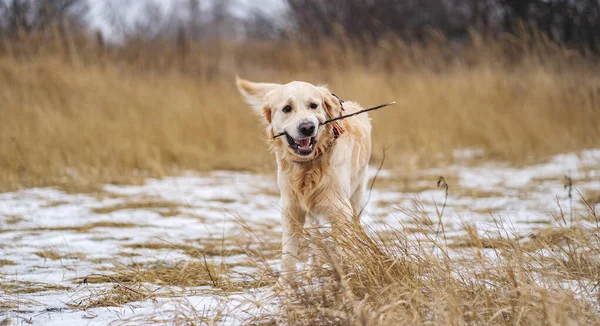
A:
134	193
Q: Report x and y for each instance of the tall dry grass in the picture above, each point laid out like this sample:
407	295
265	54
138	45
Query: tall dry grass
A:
96	124
493	278
115	114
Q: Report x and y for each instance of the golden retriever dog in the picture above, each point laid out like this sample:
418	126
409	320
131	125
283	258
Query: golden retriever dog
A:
321	168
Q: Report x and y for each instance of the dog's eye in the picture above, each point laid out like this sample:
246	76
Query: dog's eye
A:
287	109
313	105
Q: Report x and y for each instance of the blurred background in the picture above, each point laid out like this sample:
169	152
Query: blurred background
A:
117	90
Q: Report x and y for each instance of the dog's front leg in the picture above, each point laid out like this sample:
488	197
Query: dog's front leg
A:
334	215
292	223
315	233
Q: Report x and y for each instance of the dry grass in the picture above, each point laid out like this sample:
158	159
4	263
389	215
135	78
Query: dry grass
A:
6	262
132	282
25	287
56	203
12	219
371	280
116	296
244	244
106	224
81	228
82	187
159	205
51	254
97	120
184	274
199	274
99	124
54	254
210	248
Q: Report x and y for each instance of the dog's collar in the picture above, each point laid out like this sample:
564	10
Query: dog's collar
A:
337	132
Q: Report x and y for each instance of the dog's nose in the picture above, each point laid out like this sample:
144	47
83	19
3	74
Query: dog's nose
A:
307	128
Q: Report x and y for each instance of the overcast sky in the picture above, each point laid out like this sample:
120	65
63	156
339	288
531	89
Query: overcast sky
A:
131	9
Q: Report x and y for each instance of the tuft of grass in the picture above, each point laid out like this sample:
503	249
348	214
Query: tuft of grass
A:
117	296
207	247
26	287
51	254
224	200
169	212
54	254
6	262
106	224
56	203
83	188
80	228
187	273
13	219
158	205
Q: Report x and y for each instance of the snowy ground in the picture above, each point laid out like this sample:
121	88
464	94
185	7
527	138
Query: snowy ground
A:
50	239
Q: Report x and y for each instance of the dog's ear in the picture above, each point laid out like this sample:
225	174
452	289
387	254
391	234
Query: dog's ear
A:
332	105
255	94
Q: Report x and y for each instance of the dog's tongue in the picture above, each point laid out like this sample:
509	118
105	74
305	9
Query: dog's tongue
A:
303	144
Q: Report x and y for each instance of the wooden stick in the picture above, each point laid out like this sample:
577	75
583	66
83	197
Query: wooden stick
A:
346	116
358	112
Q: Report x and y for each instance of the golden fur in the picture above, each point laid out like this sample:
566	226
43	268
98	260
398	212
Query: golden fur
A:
317	191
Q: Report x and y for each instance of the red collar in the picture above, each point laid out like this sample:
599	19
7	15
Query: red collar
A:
337	132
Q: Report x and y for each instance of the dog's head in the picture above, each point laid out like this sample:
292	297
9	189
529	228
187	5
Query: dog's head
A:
296	109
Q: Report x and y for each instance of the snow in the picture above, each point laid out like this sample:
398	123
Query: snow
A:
215	204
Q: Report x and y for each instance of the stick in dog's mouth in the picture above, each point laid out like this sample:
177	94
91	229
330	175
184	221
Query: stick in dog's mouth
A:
290	139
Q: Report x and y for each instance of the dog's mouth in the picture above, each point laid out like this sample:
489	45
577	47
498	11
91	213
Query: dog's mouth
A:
303	146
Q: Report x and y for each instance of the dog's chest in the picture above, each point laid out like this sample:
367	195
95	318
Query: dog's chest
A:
311	186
